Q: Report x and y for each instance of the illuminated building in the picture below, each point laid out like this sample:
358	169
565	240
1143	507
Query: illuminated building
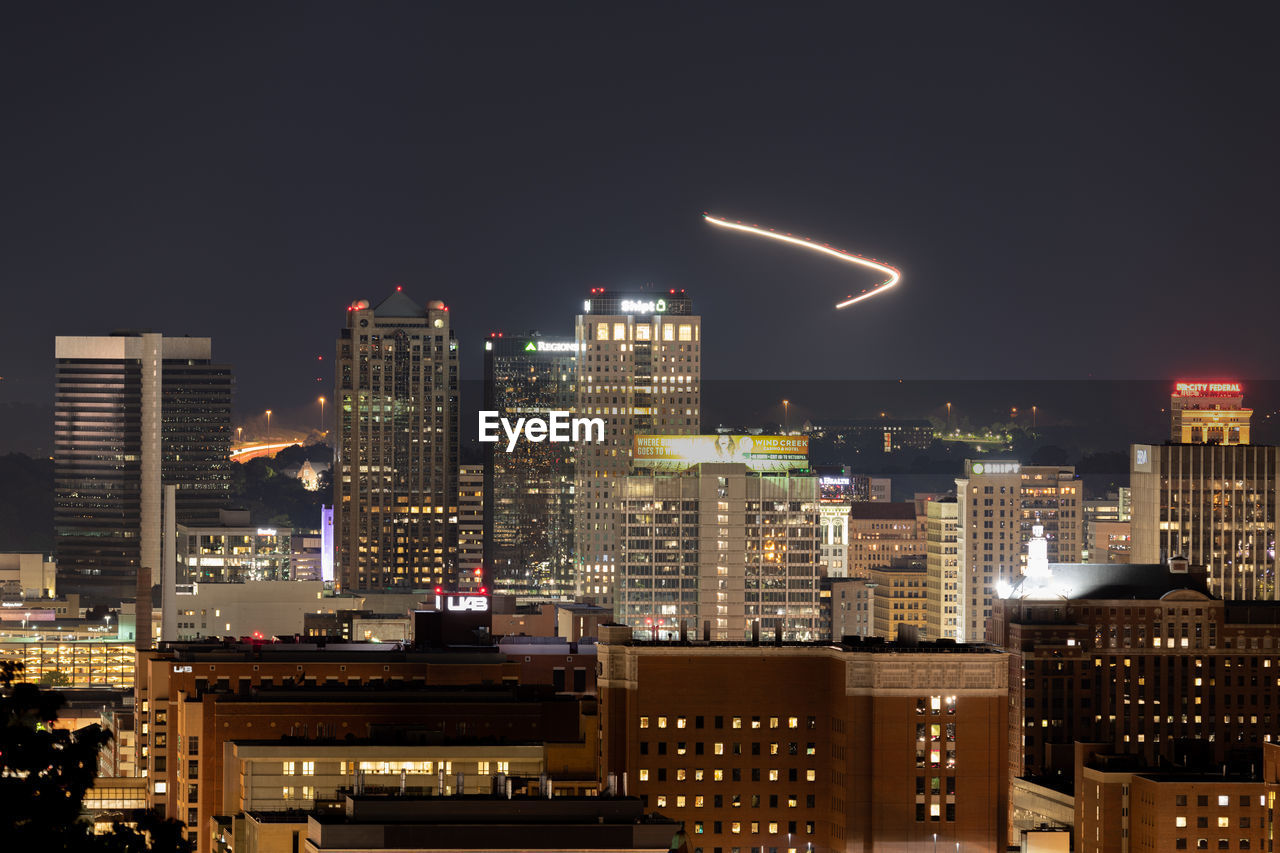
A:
233	550
942	563
850	607
999	501
835	496
396	466
245	608
1208	413
873	435
27	575
898	599
528	534
133	411
471	526
1213	502
880	533
843	746
1107	527
723	546
1123	804
70	652
640	369
192	699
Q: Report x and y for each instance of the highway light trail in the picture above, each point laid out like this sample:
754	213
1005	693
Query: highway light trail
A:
893	275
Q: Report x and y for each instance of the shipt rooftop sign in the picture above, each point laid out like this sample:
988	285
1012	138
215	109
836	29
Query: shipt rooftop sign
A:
1207	389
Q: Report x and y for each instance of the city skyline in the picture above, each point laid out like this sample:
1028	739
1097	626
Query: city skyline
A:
253	235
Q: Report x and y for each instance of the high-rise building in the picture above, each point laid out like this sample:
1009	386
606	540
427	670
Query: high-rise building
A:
1214	504
1208	413
1106	527
999	503
396	481
471	526
640	369
898	599
942	564
851	746
719	546
528	535
134	412
835	497
1212	497
881	532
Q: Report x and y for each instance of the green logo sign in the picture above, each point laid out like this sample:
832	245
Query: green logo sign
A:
531	347
977	467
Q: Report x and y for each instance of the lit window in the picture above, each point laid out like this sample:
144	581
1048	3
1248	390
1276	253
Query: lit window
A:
1224	822
793	722
811	775
1180	821
680	722
680	774
773	722
1224	800
308	768
717	775
773	775
288	768
679	802
662	801
697	775
719	749
161	787
662	722
644	774
698	801
737	722
644	722
773	827
735	827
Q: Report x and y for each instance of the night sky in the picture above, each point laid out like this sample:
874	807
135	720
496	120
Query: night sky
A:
1070	190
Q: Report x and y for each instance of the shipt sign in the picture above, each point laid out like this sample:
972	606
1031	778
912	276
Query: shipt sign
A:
758	452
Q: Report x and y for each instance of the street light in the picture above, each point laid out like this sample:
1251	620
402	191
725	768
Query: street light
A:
267	450
948	417
786	416
239	433
935	842
1033	417
322	415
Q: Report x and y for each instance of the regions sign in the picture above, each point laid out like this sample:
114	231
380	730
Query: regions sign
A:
757	452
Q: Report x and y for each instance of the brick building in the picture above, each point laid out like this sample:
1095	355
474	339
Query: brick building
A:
857	746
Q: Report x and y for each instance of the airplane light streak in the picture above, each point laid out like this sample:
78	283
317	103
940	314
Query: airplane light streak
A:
894	275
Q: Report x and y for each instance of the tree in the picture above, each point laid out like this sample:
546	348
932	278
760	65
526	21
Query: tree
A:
45	772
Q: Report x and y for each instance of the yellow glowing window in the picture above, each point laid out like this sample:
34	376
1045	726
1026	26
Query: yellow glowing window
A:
668	333
735	827
811	775
1180	821
602	331
680	775
619	331
698	801
773	827
737	722
642	332
773	722
644	722
680	722
717	775
662	801
718	749
773	775
793	722
644	775
1224	823
697	775
686	332
662	722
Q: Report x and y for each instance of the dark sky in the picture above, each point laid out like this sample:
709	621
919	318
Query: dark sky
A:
1071	190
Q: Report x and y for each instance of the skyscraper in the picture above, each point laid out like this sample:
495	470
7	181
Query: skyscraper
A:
396	411
528	491
998	504
134	411
640	369
942	563
1211	496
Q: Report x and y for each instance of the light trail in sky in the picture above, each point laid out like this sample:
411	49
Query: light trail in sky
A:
894	275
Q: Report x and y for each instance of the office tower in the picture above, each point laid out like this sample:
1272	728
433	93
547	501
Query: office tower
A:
396	411
1208	413
233	550
999	502
1211	499
841	746
835	497
639	368
1107	528
528	533
942	564
898	599
881	532
729	547
471	526
134	412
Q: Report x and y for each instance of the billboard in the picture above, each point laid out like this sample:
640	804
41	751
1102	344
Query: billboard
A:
758	452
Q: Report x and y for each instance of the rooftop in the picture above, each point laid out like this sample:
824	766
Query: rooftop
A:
881	510
1109	581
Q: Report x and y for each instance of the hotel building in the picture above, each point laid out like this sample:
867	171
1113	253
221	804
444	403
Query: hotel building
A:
640	369
528	533
396	470
133	412
846	746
